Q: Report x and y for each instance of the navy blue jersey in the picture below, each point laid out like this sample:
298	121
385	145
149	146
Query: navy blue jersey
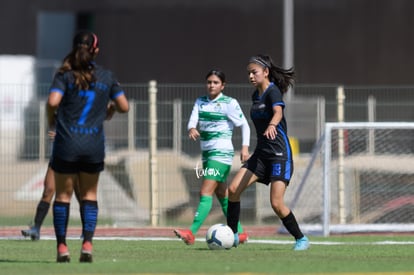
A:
81	114
261	114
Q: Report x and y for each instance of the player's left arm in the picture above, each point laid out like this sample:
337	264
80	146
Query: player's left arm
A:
119	101
271	131
110	110
121	104
276	100
55	97
236	115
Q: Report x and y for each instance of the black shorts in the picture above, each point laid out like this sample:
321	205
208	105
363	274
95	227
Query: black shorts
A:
70	167
270	169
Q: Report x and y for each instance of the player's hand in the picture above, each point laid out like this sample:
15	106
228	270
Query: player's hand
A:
51	133
193	134
110	110
270	132
244	154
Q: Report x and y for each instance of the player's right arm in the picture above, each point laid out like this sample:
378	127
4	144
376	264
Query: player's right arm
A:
56	92
192	123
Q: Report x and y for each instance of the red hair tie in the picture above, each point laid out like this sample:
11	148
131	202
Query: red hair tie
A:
95	41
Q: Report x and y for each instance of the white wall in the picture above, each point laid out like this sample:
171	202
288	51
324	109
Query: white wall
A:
16	89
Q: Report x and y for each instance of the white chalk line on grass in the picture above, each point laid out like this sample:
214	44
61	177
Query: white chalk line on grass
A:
255	241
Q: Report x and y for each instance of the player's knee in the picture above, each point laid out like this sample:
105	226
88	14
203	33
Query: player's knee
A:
278	207
234	194
48	194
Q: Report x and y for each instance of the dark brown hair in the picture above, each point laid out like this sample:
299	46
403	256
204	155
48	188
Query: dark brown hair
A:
80	59
217	73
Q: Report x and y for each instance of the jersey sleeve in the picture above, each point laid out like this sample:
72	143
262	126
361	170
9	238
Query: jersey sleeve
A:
116	89
193	121
58	84
236	115
276	97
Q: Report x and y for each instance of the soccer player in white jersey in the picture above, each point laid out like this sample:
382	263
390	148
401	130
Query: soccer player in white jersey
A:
216	115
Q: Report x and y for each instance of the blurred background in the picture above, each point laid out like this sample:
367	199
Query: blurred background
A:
350	42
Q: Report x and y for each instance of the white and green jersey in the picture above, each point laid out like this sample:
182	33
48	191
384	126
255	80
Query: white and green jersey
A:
216	119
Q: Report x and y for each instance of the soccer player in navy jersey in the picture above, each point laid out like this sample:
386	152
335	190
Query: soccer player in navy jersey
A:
47	196
81	97
271	162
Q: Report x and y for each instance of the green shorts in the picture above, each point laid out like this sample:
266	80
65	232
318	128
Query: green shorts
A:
214	170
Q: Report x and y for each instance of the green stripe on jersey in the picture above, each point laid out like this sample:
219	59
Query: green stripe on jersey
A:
212	154
209	116
215	135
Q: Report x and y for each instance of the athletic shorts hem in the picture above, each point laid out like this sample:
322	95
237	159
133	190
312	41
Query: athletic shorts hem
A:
74	167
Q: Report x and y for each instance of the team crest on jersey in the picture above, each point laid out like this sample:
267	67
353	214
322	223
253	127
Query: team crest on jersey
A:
217	108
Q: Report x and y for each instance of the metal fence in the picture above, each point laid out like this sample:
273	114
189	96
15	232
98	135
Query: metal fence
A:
125	192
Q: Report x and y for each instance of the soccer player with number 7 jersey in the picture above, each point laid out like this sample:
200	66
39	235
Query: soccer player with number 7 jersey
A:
82	96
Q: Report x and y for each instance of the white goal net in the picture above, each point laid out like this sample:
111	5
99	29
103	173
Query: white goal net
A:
360	179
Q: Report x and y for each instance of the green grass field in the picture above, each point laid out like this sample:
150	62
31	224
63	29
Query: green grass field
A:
333	255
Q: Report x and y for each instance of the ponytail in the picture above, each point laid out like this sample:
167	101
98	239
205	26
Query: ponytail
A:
80	59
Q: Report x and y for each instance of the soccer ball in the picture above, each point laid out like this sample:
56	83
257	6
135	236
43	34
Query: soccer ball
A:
219	237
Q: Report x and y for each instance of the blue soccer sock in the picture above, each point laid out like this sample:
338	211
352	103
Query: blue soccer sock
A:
89	219
60	220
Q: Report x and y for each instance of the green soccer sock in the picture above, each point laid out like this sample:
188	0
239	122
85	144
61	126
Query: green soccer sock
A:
224	202
204	207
